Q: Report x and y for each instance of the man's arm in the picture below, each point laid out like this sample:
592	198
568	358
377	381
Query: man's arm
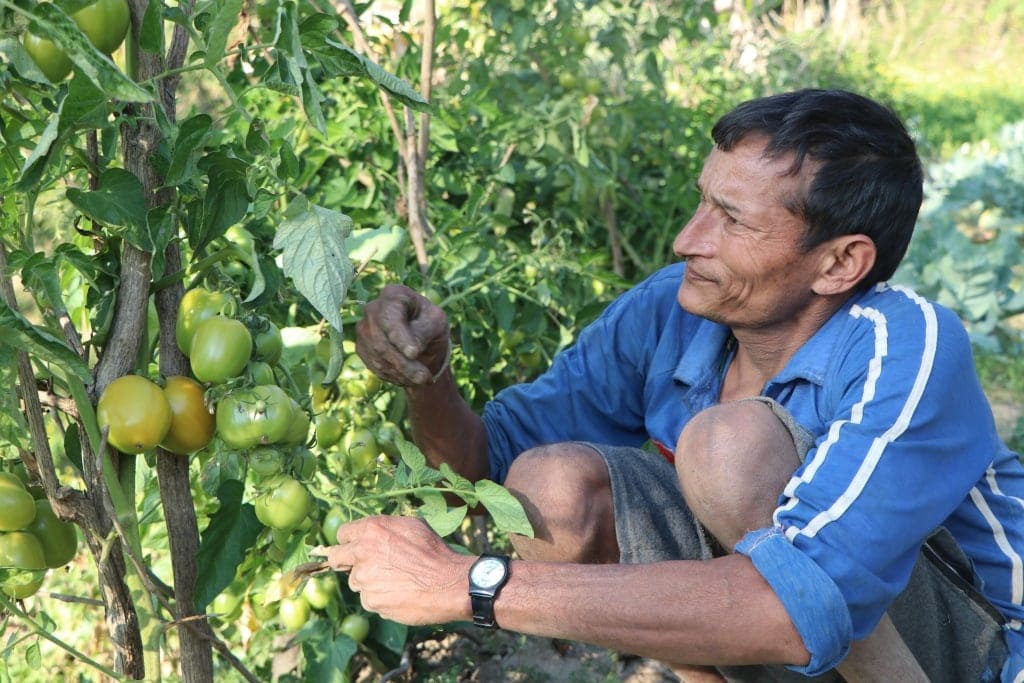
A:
686	612
405	339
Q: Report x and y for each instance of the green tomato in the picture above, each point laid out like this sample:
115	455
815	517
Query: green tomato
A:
267	342
319	591
50	59
356	626
197	305
21	550
17	506
58	538
329	430
293	612
302	464
298	430
332	521
361	449
226	605
258	416
220	349
259	372
265	462
284	504
105	23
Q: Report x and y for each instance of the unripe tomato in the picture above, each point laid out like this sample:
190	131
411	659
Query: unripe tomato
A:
302	464
58	538
50	59
293	612
356	626
333	520
388	436
329	430
197	305
259	416
21	550
267	342
192	424
227	604
265	462
220	349
137	413
361	449
357	379
284	504
259	372
17	506
105	23
320	590
298	431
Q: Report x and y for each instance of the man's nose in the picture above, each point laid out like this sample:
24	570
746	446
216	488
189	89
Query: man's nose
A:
693	239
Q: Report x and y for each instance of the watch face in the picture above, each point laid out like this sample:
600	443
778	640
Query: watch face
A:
487	572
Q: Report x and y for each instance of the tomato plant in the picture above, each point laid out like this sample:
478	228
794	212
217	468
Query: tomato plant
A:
192	424
267	342
105	23
220	349
50	59
59	539
136	412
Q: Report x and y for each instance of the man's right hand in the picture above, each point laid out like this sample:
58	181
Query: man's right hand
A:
403	338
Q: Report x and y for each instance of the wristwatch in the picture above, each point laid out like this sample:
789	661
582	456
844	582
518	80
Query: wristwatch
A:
486	578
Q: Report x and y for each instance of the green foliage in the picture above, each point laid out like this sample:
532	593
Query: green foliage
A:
966	249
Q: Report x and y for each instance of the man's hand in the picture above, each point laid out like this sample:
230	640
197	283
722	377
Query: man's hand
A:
403	337
402	570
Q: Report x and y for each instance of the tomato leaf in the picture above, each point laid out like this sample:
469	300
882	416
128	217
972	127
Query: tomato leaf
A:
186	148
312	242
390	634
19	333
327	658
232	530
118	203
225	202
505	509
218	29
441	518
375	244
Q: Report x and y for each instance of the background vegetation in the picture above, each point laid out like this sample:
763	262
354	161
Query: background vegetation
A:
553	168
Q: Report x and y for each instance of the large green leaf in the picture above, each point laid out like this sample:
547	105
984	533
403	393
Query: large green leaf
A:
312	242
13	429
505	509
232	530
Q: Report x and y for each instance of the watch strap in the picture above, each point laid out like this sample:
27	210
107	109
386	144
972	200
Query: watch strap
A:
482	599
483	611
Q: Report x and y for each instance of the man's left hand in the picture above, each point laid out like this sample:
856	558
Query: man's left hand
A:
402	570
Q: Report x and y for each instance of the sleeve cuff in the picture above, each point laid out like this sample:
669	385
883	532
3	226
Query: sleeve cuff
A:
810	597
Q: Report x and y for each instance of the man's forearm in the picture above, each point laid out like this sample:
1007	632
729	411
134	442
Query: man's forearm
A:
446	429
686	612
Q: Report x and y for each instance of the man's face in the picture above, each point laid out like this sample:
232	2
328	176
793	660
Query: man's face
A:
745	266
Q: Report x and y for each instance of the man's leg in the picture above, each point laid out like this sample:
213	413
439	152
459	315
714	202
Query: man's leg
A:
566	492
733	461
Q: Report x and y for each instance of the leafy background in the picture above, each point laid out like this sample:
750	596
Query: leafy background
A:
565	138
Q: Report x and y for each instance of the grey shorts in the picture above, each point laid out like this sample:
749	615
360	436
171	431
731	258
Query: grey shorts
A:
954	633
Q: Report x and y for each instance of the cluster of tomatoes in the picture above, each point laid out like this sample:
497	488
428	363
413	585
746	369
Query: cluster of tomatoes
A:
104	22
33	539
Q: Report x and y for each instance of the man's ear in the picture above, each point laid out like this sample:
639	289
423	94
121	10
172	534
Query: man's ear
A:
845	261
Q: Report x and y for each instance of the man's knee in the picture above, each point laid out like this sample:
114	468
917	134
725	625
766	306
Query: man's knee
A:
566	492
733	461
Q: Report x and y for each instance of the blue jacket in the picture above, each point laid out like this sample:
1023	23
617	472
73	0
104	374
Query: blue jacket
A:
906	442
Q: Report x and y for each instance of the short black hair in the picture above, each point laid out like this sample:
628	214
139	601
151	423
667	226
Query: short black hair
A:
869	179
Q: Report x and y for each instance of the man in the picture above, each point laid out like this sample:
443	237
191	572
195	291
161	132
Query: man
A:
830	483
